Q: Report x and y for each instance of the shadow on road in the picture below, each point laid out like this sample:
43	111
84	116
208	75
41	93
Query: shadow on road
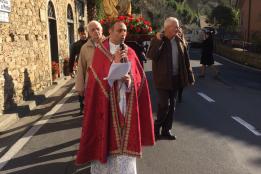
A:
43	161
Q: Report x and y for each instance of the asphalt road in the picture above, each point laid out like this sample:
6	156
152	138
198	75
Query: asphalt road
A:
217	124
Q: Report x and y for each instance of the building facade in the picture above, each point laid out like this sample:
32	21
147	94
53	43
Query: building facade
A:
37	35
250	19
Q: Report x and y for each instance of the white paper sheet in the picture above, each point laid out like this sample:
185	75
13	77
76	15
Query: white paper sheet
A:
117	71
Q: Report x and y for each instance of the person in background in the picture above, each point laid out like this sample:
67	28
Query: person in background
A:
75	49
171	71
85	58
207	58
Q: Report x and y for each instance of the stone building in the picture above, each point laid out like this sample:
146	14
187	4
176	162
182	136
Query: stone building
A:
37	34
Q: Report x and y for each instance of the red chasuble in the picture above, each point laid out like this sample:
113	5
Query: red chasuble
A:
105	130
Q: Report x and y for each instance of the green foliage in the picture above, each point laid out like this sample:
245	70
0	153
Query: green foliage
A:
185	13
182	10
206	10
99	8
172	4
227	17
135	8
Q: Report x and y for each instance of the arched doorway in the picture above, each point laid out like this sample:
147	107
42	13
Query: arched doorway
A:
53	32
70	24
80	5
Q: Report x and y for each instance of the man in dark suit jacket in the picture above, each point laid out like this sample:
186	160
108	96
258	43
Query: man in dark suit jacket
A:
74	56
171	71
75	48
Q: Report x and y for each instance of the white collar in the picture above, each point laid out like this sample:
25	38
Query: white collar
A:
113	47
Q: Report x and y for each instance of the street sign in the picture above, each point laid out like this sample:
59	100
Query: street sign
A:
5	6
4	17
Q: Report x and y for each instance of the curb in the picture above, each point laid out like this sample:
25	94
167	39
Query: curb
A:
236	63
15	130
7	120
61	83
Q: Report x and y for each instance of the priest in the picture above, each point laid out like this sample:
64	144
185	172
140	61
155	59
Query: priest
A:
117	118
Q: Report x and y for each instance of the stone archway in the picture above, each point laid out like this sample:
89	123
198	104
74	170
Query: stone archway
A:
70	24
53	32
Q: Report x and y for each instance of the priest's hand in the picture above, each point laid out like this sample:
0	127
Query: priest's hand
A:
127	80
119	54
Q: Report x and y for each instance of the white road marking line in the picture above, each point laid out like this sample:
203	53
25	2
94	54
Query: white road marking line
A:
247	125
206	97
21	142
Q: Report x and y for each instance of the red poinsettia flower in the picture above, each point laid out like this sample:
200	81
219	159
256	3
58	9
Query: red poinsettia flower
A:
138	29
121	18
131	27
135	25
102	21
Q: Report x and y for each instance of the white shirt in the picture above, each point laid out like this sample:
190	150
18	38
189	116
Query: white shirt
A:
175	54
113	47
121	85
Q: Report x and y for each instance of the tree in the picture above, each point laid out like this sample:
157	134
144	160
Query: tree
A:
135	7
91	9
94	9
225	16
172	4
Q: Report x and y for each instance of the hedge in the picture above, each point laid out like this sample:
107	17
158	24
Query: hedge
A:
238	55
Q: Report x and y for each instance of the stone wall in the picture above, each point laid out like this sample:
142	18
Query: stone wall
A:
25	62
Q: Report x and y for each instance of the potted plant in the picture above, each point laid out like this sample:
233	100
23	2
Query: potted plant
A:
55	70
66	67
138	28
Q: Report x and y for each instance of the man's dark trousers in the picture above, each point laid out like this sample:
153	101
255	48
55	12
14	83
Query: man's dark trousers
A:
81	99
166	107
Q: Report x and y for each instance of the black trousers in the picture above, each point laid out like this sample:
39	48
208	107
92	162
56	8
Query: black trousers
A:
81	99
180	94
166	106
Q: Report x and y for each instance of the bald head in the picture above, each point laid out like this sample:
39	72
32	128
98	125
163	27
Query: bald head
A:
93	23
171	21
118	32
171	26
94	30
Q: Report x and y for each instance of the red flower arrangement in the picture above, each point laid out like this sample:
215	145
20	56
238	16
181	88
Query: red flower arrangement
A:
55	70
135	25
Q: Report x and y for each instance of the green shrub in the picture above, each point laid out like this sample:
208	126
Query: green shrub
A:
239	55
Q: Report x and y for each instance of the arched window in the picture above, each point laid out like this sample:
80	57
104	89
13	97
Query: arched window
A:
51	11
70	24
80	7
53	32
69	14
